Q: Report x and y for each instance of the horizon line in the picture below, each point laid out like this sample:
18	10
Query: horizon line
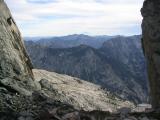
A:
80	34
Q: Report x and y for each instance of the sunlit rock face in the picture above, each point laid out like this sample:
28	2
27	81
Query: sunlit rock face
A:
14	61
151	45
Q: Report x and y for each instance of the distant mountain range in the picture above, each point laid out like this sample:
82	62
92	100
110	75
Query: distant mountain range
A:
70	40
114	62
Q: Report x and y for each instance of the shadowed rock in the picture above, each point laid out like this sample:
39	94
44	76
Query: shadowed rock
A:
151	45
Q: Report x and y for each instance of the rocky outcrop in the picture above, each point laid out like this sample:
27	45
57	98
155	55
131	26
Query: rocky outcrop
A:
15	66
151	45
14	61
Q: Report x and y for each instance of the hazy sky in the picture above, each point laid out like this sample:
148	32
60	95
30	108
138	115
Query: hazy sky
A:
63	17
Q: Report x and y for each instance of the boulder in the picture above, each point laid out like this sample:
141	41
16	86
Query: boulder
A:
14	86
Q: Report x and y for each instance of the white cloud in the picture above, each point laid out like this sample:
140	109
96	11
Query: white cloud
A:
61	17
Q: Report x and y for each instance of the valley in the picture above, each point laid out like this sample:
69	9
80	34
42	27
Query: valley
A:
118	65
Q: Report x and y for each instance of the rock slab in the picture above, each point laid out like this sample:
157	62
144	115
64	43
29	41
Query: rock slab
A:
14	61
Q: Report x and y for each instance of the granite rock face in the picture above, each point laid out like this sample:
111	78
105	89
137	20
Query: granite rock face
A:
15	62
78	93
151	45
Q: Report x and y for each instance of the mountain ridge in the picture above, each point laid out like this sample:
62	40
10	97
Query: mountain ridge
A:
71	40
106	66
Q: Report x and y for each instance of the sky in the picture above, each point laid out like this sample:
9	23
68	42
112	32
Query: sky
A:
64	17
